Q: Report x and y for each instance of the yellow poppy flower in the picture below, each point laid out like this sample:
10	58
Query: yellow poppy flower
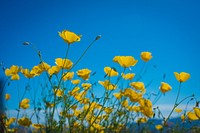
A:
192	116
138	86
27	73
13	72
76	124
108	110
25	103
145	56
125	103
64	63
59	92
159	127
44	66
10	121
86	86
182	118
74	91
107	85
133	95
146	107
69	37
182	77
178	110
53	70
98	127
125	61
38	126
75	82
165	87
68	76
110	71
95	105
118	95
77	112
36	70
142	120
13	130
128	76
84	73
197	112
134	108
7	96
24	122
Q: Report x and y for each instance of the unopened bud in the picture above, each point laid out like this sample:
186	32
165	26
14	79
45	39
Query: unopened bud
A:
26	43
98	37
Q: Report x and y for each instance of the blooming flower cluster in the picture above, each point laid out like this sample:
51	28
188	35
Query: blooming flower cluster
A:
71	98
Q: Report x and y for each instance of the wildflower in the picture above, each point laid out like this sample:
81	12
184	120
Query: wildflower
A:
13	72
24	121
142	120
125	103
74	91
25	103
98	127
79	96
192	116
75	82
138	86
95	105
86	86
53	70
10	121
13	130
133	95
197	112
44	66
27	73
145	56
69	37
134	108
108	110
182	77
38	126
165	87
107	85
118	95
68	76
110	71
159	127
77	112
146	107
64	63
7	96
125	61
36	70
178	110
84	73
183	118
128	76
59	92
76	124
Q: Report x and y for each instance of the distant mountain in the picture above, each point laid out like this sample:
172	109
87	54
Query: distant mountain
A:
174	125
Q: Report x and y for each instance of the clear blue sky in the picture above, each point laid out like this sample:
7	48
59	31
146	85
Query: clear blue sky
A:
167	28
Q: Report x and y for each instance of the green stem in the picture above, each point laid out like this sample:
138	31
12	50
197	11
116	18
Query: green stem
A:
175	105
105	100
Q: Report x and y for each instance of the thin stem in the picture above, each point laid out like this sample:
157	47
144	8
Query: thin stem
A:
105	100
175	105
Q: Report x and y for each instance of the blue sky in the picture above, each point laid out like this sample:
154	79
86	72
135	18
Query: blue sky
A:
167	28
